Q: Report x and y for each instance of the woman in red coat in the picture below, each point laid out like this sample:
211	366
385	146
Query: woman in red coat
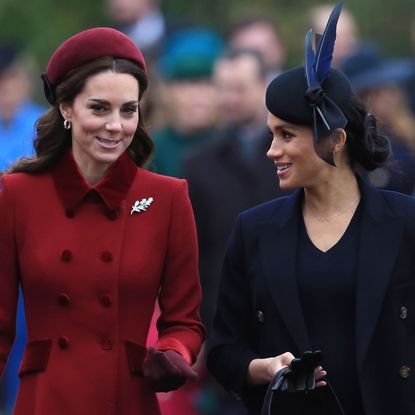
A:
95	240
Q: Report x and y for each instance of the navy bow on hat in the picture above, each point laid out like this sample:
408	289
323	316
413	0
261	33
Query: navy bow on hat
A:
327	115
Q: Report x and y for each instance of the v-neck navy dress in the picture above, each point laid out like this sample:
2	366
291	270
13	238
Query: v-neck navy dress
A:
327	288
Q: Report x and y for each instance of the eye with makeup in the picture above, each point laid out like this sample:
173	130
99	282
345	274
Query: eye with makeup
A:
97	108
285	134
129	110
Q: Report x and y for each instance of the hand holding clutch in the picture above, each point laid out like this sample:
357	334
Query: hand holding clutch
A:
304	374
167	370
301	374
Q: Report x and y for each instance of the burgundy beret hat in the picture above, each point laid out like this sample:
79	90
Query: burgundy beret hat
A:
86	46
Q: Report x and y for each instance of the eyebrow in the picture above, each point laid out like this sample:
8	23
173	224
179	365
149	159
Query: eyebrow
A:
281	127
104	101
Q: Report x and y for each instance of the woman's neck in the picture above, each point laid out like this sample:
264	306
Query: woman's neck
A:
92	172
330	197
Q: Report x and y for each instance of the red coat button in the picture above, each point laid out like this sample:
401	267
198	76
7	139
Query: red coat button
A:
106	256
105	300
107	344
70	213
64	299
113	214
63	342
66	255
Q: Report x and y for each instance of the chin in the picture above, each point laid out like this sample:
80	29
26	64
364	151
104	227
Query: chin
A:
288	186
107	158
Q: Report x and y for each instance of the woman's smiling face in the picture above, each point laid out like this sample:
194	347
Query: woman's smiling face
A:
104	118
292	150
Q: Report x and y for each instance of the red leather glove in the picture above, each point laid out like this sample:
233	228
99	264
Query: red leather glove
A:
167	370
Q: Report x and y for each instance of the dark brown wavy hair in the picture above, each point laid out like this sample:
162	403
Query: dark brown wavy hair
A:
52	140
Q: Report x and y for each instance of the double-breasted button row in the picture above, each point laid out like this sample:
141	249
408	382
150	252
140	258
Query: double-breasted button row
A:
66	256
104	299
106	343
404	371
112	214
403	313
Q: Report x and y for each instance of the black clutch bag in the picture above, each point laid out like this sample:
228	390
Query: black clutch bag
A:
296	381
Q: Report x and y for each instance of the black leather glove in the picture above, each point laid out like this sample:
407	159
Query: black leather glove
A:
167	370
300	376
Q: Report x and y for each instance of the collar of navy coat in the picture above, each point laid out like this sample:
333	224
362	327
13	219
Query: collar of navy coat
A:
380	235
72	187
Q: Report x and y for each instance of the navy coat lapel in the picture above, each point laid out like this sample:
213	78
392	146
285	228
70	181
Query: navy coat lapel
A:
376	261
278	256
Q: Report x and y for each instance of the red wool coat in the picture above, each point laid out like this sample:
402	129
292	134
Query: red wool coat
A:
91	268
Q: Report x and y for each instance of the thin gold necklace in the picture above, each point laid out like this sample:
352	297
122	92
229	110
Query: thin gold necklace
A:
353	204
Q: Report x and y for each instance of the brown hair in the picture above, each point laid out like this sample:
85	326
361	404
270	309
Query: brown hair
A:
365	145
52	140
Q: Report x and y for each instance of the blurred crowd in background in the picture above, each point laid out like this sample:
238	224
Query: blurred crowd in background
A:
205	112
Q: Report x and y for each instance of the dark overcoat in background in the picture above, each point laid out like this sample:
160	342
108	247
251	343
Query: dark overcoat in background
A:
259	312
223	182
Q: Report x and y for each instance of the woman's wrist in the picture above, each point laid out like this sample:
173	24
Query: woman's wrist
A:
259	371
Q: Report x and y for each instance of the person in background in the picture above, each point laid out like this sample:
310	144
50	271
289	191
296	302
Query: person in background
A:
18	111
329	267
410	84
259	33
380	83
142	21
94	239
189	102
18	115
228	174
347	37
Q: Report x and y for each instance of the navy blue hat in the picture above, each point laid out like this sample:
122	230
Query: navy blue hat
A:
190	54
367	68
286	96
315	94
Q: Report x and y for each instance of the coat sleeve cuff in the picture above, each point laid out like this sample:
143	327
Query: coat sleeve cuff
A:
171	343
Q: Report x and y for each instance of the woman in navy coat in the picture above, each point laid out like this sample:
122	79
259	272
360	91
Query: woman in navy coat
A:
330	267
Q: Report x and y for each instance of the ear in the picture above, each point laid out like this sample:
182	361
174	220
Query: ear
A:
339	138
331	147
66	111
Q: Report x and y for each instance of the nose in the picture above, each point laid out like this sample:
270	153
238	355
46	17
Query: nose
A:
113	124
275	150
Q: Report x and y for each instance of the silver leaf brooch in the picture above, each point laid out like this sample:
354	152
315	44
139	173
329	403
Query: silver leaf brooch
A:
141	205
